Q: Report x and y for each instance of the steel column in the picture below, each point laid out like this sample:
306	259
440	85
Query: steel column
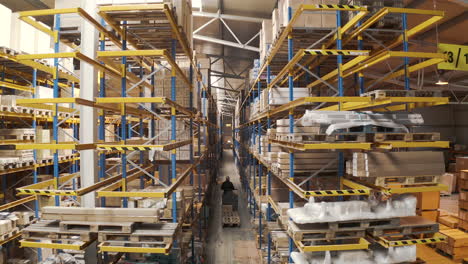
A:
291	124
173	131
123	122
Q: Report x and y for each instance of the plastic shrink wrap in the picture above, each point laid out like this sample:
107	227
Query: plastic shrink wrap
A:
320	212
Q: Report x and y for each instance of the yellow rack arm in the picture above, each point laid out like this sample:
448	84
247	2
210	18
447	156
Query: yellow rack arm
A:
35	244
362	244
53	146
17	202
408	242
106	247
42	187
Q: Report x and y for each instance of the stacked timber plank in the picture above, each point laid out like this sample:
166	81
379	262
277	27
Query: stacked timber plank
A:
395	168
101	214
111	226
305	162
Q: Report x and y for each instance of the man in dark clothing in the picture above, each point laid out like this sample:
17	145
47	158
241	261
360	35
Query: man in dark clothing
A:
229	197
227	186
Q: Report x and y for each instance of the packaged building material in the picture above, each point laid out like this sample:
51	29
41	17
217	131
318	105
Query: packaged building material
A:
307	161
349	119
398	164
275	25
391	255
449	180
265	39
313	212
456	244
43	136
305	19
19	155
279	96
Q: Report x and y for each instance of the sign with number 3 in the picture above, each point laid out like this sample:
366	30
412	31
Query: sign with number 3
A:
457	57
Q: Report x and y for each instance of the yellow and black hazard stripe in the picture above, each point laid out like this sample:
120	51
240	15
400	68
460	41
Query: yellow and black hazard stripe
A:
126	148
410	242
338	6
333	52
45	192
336	192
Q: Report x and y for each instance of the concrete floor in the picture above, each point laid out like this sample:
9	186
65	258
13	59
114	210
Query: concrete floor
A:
236	245
232	244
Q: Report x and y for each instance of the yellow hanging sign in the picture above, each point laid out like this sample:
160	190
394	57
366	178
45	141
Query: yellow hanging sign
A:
457	57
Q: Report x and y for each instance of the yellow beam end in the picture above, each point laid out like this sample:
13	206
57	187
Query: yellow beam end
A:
46	56
130	53
362	244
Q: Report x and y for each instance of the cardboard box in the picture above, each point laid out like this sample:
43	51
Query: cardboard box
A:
461	164
450	180
463	215
431	215
463	183
428	200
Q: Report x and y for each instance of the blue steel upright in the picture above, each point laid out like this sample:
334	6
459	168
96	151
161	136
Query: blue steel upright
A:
123	122
173	131
56	95
291	124
102	118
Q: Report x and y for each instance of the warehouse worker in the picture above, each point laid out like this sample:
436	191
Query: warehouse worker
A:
227	185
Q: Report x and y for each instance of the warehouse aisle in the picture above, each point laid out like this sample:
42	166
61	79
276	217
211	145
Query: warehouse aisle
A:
232	244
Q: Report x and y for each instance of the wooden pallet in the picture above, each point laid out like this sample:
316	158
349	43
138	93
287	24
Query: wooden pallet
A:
318	232
387	181
13	232
412	225
123	227
358	137
160	233
382	94
416	137
43	112
16	165
231	219
311	138
350	225
47	229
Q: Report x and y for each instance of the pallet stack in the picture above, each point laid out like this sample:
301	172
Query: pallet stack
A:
463	200
455	246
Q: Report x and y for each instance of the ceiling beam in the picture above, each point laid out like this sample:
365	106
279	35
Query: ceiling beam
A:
229	57
226	75
225	89
228	17
226	42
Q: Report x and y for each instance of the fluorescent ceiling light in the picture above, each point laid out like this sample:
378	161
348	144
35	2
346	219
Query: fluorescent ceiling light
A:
196	3
441	82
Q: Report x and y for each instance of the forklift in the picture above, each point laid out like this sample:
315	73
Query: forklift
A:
230	214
